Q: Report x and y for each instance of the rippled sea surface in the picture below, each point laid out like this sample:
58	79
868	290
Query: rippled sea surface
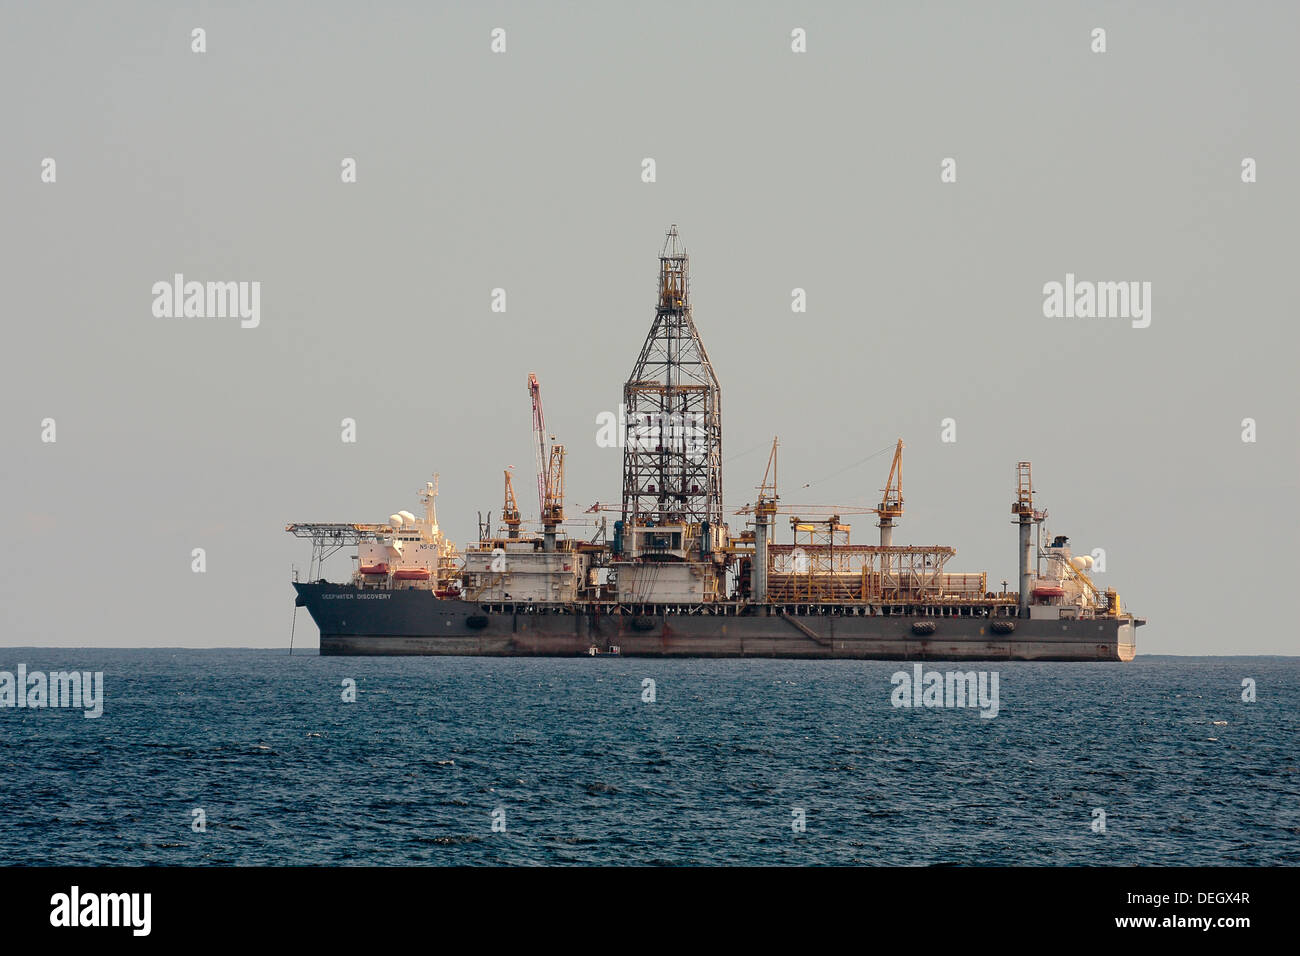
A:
581	770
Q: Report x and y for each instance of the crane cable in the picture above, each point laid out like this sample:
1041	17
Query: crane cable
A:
874	454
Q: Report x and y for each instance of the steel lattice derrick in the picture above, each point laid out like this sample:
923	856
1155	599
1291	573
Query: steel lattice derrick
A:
672	457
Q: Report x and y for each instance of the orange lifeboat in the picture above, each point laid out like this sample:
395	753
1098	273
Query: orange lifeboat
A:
1049	591
411	574
374	569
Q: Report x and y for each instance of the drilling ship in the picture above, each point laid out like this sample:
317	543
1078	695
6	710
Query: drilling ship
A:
673	581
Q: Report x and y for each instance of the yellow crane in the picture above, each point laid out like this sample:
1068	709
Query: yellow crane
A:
550	475
891	502
510	510
767	495
553	498
889	510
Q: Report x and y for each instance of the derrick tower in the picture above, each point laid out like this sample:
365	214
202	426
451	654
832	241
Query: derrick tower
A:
672	454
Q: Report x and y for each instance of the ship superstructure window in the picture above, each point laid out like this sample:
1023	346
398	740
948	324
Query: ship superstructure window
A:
667	541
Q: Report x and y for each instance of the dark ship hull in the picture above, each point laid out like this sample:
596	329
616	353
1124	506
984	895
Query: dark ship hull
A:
361	621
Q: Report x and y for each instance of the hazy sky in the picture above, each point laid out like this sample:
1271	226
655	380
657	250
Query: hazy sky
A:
522	170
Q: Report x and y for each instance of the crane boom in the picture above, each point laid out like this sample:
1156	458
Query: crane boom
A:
539	440
891	501
510	510
767	490
550	470
553	507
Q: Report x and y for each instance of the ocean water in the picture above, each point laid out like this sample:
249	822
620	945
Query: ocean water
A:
579	769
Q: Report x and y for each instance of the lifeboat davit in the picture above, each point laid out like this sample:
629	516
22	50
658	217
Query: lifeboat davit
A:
411	574
374	569
1049	591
